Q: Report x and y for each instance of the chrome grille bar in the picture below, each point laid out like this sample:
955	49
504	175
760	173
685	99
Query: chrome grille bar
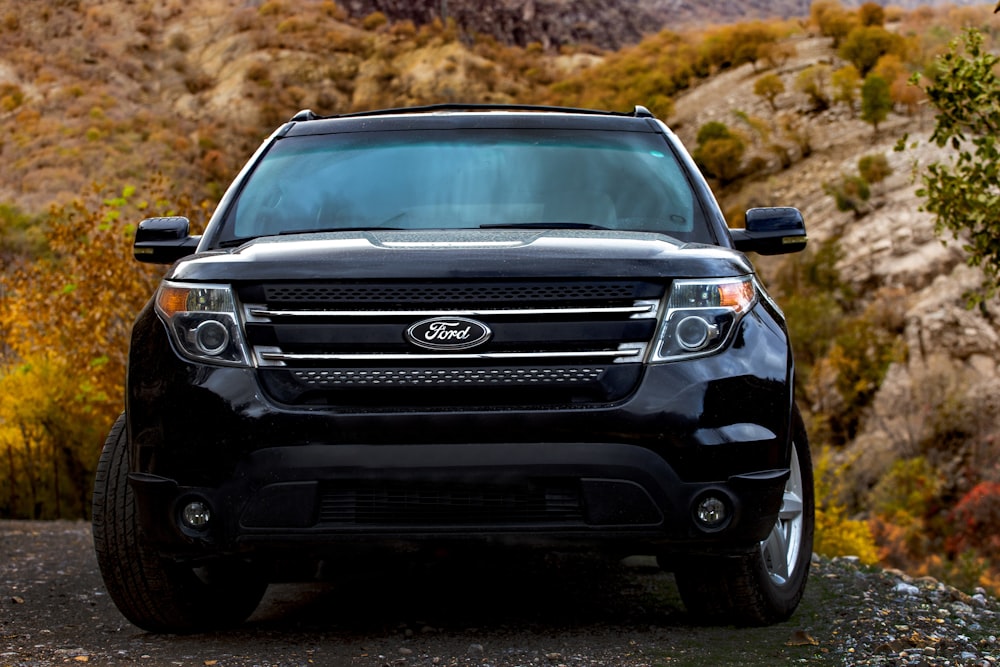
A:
271	357
641	308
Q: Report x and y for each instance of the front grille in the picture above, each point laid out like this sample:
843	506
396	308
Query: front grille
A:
420	504
447	376
423	293
553	341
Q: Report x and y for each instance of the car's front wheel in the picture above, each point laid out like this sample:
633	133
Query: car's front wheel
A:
156	593
766	585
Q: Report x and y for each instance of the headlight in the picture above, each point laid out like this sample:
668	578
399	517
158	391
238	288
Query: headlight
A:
202	322
701	315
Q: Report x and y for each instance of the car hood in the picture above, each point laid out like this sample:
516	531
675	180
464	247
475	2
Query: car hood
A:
483	254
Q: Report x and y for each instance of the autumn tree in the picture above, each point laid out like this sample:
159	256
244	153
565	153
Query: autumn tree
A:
720	152
864	45
875	100
896	73
49	439
907	96
871	13
974	519
65	321
963	192
776	54
845	82
648	73
812	82
734	45
769	86
21	237
832	20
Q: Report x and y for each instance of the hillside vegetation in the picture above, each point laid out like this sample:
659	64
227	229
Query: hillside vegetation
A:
115	111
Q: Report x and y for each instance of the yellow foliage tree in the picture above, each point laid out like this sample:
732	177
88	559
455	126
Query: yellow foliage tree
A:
48	444
836	533
64	326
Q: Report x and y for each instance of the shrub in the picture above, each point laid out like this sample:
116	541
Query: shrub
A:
812	82
846	81
907	516
720	152
295	24
11	96
974	522
859	357
871	14
374	21
21	235
712	130
333	10
736	44
272	8
769	87
851	193
180	41
836	533
832	20
776	54
866	44
875	100
197	82
874	168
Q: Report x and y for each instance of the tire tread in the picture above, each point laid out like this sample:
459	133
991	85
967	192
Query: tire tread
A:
150	591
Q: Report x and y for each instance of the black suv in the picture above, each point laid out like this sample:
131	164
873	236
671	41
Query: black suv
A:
458	325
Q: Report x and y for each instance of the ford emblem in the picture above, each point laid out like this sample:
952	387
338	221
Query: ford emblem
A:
448	333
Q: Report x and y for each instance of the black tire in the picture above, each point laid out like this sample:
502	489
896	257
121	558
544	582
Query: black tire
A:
155	593
766	585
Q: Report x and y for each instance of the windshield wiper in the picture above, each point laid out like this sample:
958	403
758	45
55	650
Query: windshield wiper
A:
543	225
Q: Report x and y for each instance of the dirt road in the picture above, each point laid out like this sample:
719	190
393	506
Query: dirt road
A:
565	610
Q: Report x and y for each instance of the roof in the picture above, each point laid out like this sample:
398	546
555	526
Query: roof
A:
482	116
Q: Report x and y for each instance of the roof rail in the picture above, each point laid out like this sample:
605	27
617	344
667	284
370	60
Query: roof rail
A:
639	111
305	114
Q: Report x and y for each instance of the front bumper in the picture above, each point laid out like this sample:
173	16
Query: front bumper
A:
315	498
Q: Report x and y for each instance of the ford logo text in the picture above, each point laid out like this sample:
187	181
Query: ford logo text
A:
448	333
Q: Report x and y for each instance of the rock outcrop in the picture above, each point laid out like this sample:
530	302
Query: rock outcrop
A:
607	24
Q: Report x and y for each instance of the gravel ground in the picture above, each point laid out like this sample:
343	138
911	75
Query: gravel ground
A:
554	610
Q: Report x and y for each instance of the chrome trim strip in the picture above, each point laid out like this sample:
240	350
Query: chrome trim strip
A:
269	356
640	309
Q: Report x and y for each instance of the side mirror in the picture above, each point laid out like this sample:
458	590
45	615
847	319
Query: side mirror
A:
771	231
164	240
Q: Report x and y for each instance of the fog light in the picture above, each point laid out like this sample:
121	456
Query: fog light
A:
711	512
196	514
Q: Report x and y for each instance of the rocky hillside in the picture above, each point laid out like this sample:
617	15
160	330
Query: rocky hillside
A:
607	24
945	381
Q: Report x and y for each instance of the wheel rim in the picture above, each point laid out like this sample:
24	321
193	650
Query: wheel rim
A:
781	548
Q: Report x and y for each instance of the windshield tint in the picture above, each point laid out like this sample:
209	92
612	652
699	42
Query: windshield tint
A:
467	179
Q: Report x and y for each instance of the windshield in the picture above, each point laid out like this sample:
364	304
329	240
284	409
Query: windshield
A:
468	179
